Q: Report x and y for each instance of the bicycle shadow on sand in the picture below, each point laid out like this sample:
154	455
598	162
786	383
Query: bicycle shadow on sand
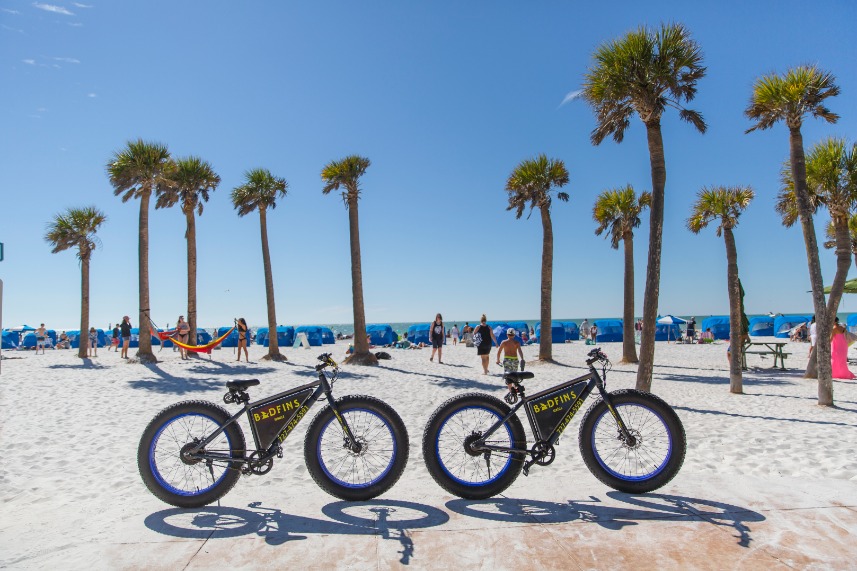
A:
389	519
637	509
450	382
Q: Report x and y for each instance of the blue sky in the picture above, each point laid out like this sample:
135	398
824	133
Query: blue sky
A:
445	98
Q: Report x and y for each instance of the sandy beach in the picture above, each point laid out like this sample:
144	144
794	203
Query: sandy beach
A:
72	497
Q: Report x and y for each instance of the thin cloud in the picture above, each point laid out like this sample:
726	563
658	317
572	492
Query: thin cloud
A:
79	5
29	61
8	11
5	27
570	96
92	95
67	59
75	24
53	8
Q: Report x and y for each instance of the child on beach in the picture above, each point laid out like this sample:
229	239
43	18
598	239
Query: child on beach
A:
93	342
437	334
114	343
510	349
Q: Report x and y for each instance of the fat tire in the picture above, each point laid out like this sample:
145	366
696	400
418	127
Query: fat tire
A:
233	473
431	453
675	429
312	442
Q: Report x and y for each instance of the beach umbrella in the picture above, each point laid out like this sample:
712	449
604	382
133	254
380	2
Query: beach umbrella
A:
21	328
671	319
850	287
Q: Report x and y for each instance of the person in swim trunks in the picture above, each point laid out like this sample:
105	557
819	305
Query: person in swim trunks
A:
511	350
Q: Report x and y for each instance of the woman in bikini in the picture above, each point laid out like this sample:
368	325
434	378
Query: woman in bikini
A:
243	332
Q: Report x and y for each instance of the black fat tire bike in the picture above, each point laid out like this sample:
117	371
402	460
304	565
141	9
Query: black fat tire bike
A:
192	453
474	445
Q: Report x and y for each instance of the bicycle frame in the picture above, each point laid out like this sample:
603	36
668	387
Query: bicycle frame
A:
566	401
305	396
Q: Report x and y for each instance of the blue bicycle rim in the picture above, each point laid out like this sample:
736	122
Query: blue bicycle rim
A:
498	474
374	480
648	476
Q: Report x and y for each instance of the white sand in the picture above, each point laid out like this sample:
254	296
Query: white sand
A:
71	495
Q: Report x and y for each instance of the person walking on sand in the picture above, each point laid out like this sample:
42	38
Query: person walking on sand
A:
437	335
839	352
93	342
483	336
41	334
114	342
125	329
454	333
243	332
182	331
511	350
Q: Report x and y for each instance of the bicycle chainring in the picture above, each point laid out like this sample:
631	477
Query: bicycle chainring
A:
543	453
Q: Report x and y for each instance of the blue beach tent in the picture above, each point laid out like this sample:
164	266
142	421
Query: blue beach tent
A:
783	323
203	337
29	341
761	327
557	332
74	338
572	331
285	336
719	325
609	330
667	331
499	328
231	340
261	334
851	322
381	334
419	333
313	334
9	340
327	336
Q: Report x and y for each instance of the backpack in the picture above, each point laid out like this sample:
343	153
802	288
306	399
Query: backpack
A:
477	338
382	355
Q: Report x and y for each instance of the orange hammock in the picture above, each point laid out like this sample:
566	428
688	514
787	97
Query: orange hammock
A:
164	335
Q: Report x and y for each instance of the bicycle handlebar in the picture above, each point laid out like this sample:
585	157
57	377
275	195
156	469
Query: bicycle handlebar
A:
596	355
326	361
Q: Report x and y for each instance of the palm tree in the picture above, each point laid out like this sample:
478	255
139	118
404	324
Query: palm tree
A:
193	180
531	183
831	176
645	72
619	210
137	171
830	234
788	98
345	174
726	204
77	227
260	192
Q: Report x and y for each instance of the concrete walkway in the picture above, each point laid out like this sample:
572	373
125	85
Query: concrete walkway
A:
699	523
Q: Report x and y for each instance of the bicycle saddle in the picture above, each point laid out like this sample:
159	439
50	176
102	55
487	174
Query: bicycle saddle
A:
241	385
518	377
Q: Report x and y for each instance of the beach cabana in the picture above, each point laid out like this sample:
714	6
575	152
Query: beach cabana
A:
327	336
784	323
29	341
231	340
761	326
203	337
572	331
381	334
609	330
313	334
719	325
851	322
419	333
285	336
9	340
499	328
557	332
261	334
667	331
74	338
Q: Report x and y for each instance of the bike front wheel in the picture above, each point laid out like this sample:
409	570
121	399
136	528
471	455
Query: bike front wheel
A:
364	471
654	456
459	467
190	482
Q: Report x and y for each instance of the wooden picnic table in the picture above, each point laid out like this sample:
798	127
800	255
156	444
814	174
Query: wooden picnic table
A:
774	348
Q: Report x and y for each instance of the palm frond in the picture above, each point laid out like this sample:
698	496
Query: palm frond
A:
260	191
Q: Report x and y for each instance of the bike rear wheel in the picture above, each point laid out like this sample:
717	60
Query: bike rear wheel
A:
182	481
357	475
655	456
455	465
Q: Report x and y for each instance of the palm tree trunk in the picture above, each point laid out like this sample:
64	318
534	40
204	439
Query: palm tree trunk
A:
843	262
629	344
84	305
273	342
545	339
361	355
191	275
144	348
822	319
736	336
653	266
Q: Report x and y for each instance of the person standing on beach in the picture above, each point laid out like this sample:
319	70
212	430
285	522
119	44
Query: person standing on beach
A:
593	333
125	329
454	333
114	343
243	332
483	336
93	342
584	329
437	335
182	331
812	335
511	349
